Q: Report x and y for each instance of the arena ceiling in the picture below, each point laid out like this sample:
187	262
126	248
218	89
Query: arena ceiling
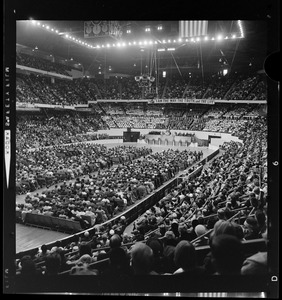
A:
241	54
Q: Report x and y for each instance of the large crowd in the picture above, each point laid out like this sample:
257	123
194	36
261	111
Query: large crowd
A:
128	174
39	89
221	208
42	64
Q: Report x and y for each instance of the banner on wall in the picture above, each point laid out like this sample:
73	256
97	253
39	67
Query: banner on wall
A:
197	101
102	28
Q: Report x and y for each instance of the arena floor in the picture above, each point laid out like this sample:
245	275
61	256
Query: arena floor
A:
30	237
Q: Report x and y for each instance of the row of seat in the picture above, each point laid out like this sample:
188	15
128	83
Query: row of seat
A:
50	222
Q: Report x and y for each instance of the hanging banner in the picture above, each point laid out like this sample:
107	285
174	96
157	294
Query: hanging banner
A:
103	28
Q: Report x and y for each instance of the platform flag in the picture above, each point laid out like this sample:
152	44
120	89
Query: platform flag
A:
192	28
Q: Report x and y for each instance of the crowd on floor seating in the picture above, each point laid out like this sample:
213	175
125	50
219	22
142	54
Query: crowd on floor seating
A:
204	211
136	173
43	166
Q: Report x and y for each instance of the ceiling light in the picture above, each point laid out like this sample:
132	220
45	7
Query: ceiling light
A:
161	49
206	38
47	27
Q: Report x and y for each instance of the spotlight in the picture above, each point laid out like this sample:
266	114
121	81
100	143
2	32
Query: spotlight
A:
219	37
47	27
206	38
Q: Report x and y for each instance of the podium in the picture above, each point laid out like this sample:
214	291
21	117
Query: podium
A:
130	136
